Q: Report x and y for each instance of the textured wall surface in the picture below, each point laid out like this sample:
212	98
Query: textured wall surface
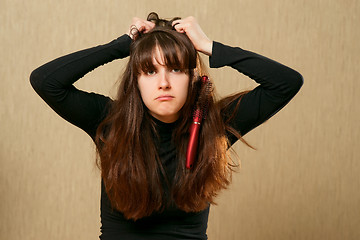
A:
303	180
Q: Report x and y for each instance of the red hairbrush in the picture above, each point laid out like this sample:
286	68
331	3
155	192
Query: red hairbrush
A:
198	115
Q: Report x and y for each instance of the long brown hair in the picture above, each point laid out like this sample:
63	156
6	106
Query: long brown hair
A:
130	166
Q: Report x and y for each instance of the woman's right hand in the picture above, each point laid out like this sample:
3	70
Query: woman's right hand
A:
139	25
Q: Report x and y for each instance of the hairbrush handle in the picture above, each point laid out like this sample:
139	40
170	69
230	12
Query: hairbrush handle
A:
192	145
194	130
193	139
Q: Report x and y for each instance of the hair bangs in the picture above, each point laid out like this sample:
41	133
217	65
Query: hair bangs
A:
174	54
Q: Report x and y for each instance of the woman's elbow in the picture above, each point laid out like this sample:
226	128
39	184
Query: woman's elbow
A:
36	80
296	81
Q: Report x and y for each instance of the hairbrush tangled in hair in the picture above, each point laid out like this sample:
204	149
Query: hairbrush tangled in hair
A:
199	114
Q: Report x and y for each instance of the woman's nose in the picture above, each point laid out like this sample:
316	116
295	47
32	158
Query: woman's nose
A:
164	82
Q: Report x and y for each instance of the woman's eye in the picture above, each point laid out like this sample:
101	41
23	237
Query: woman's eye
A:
176	70
150	72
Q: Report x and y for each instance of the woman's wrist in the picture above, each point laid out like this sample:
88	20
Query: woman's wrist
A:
207	48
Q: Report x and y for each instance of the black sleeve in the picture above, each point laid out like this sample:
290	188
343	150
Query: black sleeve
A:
278	84
54	83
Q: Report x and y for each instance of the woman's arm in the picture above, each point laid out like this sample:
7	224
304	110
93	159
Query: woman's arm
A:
54	83
278	85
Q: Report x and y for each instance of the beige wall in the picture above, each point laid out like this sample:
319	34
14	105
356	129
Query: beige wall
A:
303	181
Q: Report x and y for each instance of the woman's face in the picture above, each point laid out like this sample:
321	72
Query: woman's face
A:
163	91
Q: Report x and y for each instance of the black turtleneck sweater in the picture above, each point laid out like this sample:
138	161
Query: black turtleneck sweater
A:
54	83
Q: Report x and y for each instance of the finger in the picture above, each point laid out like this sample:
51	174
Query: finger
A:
178	21
179	27
148	26
141	28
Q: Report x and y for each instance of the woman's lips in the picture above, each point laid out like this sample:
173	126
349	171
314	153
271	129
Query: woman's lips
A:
164	98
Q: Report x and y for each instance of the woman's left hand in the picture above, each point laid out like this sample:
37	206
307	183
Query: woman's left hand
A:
194	32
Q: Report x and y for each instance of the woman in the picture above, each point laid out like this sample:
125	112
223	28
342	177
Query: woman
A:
142	137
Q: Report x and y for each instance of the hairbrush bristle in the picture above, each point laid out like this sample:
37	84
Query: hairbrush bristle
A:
198	113
204	96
